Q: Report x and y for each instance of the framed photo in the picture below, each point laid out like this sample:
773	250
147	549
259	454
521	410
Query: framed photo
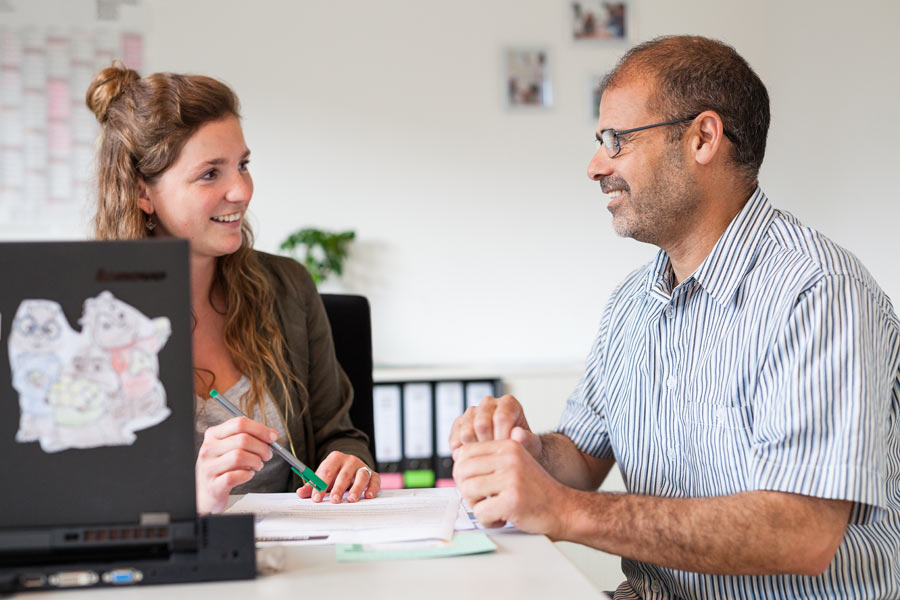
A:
600	19
527	77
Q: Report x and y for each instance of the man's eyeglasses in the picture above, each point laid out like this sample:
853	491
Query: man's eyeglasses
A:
609	138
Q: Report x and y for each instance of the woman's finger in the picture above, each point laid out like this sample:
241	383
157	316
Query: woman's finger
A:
240	442
327	472
344	479
361	481
241	425
374	486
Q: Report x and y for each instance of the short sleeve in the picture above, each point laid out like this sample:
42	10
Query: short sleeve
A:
822	407
584	418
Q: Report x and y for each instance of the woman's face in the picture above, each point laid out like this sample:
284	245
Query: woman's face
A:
203	196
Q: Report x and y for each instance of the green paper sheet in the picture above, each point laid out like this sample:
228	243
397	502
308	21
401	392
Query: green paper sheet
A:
472	542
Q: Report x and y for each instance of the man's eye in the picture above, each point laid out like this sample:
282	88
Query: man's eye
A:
243	165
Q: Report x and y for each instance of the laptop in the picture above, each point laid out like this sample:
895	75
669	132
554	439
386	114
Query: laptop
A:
96	422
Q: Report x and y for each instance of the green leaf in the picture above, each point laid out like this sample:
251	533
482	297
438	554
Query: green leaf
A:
323	252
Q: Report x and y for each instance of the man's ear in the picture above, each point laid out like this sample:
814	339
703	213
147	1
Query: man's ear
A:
706	142
144	202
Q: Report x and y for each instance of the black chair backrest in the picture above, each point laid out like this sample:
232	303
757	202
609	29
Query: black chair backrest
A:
351	328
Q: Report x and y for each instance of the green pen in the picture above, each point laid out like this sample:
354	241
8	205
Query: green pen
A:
306	474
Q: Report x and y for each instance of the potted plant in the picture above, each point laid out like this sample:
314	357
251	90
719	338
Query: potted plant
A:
323	252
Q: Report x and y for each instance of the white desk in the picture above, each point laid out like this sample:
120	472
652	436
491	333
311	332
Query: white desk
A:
523	566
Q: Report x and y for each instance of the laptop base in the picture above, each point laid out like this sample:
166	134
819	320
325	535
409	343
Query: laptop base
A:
221	547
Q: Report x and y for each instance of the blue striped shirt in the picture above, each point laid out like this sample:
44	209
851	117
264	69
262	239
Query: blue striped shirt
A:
775	366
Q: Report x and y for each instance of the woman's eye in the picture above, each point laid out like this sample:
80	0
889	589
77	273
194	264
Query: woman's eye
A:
209	175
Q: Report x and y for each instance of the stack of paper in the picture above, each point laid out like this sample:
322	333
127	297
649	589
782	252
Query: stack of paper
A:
393	516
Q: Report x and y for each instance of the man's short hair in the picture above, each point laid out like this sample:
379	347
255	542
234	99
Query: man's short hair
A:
693	74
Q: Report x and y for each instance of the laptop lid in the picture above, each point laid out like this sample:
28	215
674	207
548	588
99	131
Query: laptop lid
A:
96	384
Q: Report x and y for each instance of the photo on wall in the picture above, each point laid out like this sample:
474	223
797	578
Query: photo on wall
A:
600	20
527	77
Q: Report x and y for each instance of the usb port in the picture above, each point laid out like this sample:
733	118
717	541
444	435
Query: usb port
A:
32	580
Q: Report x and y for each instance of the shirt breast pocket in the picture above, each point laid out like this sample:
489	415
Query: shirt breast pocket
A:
717	446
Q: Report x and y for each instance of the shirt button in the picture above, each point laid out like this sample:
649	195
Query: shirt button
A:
671	453
720	414
671	382
670	312
654	587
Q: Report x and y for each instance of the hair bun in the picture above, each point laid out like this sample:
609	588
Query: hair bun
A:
108	85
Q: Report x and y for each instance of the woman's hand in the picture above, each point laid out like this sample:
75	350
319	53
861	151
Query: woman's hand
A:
230	455
341	471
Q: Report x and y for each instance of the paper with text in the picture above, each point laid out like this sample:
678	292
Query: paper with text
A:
392	516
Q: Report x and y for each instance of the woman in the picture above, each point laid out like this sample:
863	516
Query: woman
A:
172	162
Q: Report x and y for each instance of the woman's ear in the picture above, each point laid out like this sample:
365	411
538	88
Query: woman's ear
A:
144	202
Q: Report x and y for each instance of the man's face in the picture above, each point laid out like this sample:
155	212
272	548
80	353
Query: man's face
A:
652	194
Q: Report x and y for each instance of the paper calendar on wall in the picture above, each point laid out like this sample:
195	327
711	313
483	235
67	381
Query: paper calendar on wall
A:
49	53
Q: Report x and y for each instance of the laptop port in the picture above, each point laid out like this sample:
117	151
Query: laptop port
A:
122	576
73	579
32	580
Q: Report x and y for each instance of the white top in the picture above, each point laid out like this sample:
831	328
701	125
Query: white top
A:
275	474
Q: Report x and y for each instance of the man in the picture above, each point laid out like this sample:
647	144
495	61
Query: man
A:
746	382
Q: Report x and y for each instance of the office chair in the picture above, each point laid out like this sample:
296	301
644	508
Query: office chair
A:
351	329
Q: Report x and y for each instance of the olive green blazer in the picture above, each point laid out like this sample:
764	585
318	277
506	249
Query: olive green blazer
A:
319	419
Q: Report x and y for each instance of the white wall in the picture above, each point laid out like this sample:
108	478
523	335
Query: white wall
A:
479	237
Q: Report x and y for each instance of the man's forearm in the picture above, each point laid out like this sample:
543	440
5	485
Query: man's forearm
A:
569	465
750	533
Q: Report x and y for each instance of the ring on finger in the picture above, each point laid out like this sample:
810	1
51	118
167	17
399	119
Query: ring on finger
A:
366	469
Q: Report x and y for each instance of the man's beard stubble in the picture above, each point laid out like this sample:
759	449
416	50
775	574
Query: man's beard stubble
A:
657	214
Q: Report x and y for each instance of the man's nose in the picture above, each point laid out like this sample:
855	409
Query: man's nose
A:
600	165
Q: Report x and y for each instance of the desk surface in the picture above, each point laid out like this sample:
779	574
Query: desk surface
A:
523	566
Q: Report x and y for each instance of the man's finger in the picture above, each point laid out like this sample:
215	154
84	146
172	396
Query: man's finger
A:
470	451
491	512
483	423
461	432
530	441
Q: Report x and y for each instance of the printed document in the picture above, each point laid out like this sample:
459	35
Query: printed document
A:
392	516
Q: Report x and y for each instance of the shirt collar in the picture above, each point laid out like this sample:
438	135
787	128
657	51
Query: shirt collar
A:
722	270
660	278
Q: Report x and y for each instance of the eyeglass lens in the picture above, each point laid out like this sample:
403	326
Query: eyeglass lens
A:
610	140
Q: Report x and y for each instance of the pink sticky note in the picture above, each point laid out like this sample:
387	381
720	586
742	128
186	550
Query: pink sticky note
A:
60	106
444	483
133	51
60	139
391	481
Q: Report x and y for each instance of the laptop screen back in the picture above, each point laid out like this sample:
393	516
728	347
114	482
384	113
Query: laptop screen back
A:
96	384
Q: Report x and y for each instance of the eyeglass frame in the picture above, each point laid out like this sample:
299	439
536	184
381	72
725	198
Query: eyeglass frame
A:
616	133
